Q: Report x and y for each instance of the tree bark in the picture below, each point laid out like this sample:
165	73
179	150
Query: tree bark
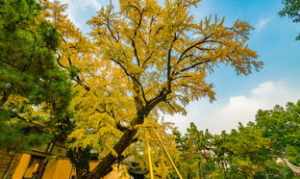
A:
105	165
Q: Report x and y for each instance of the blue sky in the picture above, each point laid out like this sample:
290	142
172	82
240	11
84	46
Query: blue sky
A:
238	98
273	39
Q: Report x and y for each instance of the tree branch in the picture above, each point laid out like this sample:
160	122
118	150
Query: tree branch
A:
193	66
182	56
182	76
81	83
40	126
127	138
77	77
135	51
136	81
169	58
110	30
147	59
3	99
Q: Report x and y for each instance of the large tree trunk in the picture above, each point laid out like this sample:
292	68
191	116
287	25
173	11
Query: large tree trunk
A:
105	166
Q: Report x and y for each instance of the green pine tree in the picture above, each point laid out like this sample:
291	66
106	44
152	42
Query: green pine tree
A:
34	91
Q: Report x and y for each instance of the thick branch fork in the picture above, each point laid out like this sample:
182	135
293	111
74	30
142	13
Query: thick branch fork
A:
105	165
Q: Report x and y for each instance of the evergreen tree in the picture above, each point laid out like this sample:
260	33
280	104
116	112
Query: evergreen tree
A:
34	90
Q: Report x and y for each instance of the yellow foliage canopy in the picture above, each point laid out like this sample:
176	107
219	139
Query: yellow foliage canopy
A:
143	59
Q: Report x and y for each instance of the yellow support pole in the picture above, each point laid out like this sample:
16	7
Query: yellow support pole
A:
168	155
149	159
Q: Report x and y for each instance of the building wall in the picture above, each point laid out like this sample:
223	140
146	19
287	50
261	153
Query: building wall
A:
23	165
7	163
18	166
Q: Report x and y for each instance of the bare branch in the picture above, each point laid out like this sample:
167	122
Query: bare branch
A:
108	26
147	59
81	83
136	81
182	76
135	51
193	66
182	56
134	36
159	98
169	68
77	77
150	26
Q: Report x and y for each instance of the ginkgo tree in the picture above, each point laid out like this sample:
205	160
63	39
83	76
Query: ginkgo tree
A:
156	58
141	60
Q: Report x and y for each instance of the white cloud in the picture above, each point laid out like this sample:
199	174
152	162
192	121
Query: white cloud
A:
94	4
262	23
78	10
217	117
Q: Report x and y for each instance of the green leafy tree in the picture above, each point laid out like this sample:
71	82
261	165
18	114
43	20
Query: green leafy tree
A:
292	10
242	153
246	151
250	151
198	147
281	126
